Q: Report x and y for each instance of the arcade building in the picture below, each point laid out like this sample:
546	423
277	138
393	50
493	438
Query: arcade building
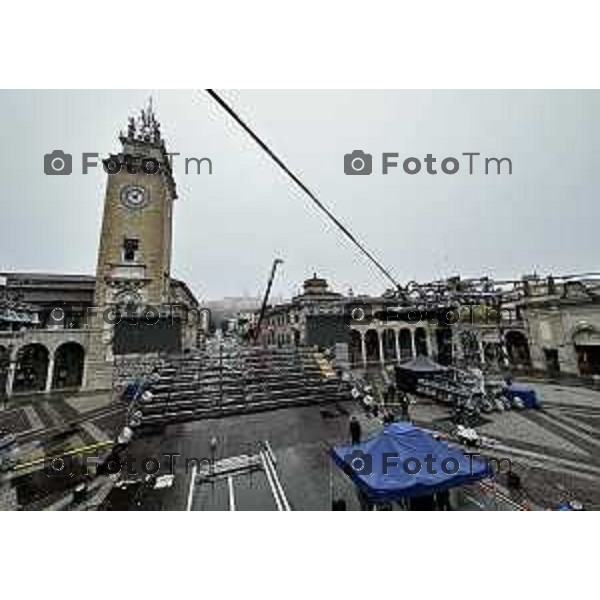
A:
546	325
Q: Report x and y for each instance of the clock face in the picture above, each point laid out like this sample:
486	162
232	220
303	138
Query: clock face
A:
134	196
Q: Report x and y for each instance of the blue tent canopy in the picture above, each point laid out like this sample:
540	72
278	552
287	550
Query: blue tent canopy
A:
525	393
403	461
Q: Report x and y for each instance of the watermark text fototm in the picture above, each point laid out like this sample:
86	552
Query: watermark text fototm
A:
80	463
65	316
358	162
362	464
59	162
363	313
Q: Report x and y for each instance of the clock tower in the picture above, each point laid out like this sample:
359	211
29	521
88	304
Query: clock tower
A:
134	256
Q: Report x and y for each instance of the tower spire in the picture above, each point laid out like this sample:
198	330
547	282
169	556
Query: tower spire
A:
145	128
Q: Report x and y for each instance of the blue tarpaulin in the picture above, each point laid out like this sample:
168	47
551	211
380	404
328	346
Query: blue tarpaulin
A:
386	467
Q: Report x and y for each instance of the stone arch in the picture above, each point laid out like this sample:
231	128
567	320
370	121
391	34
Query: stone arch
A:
389	345
372	346
405	342
584	334
32	368
470	347
586	341
517	348
356	359
443	337
69	359
492	353
421	341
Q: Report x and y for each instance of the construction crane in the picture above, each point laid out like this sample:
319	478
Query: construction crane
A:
232	113
263	308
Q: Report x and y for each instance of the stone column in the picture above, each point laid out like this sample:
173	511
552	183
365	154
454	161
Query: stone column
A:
84	373
481	351
413	346
503	352
10	378
397	342
380	340
363	349
567	359
49	374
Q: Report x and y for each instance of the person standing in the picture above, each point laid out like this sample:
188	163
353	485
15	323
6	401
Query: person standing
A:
404	404
355	430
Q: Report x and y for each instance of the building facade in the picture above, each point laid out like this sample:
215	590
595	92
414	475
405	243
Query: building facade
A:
323	318
550	326
563	325
287	323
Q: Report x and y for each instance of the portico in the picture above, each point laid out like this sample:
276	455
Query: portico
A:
386	344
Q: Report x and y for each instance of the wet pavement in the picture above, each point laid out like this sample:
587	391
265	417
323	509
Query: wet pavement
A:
556	452
299	438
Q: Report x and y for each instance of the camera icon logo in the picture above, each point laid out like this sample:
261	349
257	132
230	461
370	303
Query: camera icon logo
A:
358	163
57	315
359	462
68	466
358	313
58	162
59	466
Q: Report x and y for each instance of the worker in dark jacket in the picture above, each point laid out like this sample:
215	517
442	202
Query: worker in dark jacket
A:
355	430
404	402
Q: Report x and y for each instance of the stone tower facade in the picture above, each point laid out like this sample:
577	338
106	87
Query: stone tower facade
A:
134	256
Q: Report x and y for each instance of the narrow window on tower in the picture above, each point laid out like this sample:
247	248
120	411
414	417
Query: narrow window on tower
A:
130	247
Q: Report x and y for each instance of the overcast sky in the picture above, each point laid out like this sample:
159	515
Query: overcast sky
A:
230	225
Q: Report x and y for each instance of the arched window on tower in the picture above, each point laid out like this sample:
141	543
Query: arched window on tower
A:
130	247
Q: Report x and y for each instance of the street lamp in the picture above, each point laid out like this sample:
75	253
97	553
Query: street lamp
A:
213	452
220	376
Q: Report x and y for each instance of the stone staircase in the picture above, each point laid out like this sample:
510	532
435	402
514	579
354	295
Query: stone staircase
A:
218	382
